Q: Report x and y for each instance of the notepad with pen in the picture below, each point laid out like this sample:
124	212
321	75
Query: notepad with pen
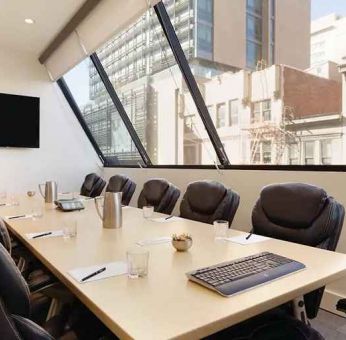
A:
98	272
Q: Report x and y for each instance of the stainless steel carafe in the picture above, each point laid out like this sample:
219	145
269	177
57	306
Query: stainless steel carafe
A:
50	191
112	213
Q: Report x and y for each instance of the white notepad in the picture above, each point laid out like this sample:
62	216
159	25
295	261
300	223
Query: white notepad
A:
22	217
153	241
241	239
165	220
54	233
112	269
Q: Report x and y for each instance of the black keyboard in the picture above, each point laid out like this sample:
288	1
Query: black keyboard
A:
232	277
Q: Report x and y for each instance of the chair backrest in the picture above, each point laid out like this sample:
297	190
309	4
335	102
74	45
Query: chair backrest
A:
15	327
14	291
207	201
303	214
121	183
5	238
92	186
160	194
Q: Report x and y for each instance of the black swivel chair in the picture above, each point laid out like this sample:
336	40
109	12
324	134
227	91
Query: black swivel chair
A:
121	183
92	185
303	214
160	194
208	201
36	277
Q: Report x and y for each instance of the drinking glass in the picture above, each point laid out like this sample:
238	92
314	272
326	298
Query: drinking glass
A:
220	229
137	262
37	211
70	229
148	211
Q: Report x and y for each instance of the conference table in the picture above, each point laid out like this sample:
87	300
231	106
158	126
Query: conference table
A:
164	304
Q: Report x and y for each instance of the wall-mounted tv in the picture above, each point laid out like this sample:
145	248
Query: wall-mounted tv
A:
19	121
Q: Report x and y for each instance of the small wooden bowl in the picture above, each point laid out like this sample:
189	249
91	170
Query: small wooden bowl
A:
182	245
31	193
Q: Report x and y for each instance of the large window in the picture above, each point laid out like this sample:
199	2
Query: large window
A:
100	115
271	87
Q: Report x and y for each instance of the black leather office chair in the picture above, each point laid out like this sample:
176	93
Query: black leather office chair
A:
160	194
121	183
36	277
303	214
92	185
207	201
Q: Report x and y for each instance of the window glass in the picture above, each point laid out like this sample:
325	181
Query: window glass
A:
309	153
100	115
233	112
220	115
152	89
326	152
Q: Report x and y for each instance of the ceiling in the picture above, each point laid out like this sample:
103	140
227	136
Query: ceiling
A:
50	17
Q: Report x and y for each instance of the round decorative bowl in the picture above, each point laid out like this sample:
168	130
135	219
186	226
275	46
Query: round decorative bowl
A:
31	193
183	245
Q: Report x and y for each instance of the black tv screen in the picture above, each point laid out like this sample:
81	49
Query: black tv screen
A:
19	121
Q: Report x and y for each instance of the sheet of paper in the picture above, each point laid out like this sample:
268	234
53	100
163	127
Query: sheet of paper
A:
241	239
9	204
22	217
54	233
153	241
112	269
166	220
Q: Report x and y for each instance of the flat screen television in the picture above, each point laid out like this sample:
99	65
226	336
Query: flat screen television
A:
19	121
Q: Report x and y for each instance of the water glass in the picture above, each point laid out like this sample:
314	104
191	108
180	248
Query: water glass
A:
70	229
148	211
220	229
137	262
37	212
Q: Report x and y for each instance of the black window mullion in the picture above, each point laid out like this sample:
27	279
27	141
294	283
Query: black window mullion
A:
121	110
190	81
69	97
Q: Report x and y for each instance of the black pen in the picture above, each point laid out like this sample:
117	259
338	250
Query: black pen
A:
250	234
93	274
3	204
167	218
19	216
44	234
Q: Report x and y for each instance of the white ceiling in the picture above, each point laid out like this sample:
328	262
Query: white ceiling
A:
50	17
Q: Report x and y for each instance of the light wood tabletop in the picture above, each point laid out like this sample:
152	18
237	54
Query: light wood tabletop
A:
165	304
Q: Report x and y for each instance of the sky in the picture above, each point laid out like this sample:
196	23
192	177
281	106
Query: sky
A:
320	8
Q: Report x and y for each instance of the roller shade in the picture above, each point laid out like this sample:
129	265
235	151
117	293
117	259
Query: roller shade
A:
103	22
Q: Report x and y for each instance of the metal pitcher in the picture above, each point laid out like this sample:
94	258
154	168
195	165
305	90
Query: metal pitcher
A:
112	213
50	191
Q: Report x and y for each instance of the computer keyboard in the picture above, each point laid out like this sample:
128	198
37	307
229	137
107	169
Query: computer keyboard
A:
229	278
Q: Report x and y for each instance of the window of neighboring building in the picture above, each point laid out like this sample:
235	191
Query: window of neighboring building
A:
326	152
267	152
220	115
233	112
293	154
261	111
309	151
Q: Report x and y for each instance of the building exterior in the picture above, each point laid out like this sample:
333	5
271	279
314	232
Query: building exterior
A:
328	36
276	116
217	37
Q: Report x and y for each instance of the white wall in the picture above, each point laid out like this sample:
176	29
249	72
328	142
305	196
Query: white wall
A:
65	153
248	184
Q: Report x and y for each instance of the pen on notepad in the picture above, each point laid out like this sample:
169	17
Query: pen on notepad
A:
44	234
167	218
19	216
250	234
93	274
